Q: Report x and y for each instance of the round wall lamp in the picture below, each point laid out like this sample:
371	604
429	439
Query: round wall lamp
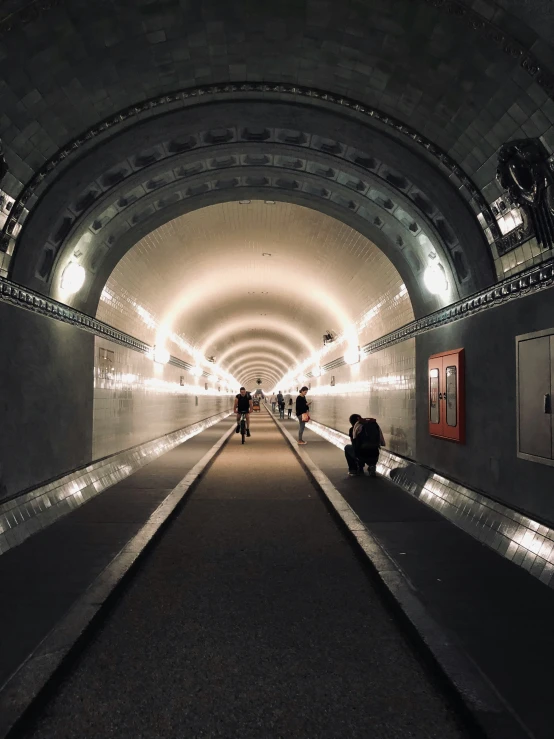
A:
73	278
160	355
435	279
352	355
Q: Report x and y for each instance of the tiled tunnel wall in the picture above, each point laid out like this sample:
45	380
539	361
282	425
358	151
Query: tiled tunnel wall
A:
46	397
139	400
99	59
61	407
381	386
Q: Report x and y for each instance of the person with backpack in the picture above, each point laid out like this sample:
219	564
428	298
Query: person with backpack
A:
281	404
367	439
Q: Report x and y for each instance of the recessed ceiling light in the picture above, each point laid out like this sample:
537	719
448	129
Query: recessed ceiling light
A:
244	202
73	278
266	254
269	202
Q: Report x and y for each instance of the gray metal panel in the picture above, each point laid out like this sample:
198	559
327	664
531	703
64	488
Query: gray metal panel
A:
535	427
551	393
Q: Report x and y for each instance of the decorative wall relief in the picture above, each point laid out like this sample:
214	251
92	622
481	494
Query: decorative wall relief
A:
526	173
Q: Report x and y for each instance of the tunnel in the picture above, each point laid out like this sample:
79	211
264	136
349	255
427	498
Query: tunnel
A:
235	238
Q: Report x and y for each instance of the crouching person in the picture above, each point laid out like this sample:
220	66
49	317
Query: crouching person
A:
367	439
349	453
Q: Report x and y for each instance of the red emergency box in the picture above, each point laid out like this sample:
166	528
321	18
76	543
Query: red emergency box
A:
447	395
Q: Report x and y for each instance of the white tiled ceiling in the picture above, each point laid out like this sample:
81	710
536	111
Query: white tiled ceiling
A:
204	276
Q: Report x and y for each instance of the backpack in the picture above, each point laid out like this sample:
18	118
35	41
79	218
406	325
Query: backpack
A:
368	437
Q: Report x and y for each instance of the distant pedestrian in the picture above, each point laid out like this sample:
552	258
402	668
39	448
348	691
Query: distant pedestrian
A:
289	404
367	439
303	413
281	404
273	401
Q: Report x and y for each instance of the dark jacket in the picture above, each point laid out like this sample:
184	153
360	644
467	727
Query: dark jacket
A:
301	405
355	430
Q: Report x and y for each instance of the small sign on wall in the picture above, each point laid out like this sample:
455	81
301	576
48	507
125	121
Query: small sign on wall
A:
106	363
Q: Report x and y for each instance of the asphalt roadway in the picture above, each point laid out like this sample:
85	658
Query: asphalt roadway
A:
250	617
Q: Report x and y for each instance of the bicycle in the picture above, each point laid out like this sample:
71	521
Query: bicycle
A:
242	424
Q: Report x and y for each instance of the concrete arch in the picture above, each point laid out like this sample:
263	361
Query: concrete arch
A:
322	181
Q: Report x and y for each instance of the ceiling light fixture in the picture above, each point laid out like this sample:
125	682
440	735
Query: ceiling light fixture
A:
73	278
435	279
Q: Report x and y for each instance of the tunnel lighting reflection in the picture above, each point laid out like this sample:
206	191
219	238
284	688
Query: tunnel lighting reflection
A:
435	280
196	371
161	355
291	377
73	278
352	355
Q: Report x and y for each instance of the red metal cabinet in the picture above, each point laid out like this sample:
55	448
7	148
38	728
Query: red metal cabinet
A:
446	395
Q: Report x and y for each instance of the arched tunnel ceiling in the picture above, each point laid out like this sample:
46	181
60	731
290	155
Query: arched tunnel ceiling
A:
437	64
204	277
458	80
152	173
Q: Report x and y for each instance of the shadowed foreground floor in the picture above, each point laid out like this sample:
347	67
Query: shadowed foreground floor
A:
250	618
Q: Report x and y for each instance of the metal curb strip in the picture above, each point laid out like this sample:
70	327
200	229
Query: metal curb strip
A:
31	512
24	686
479	697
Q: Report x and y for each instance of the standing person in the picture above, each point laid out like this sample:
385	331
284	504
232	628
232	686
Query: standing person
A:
281	403
302	412
289	403
367	438
349	452
243	404
273	401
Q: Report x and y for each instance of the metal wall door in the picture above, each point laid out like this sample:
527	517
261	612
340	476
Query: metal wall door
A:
535	396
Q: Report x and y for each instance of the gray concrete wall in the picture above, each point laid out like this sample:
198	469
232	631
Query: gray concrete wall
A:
46	372
488	460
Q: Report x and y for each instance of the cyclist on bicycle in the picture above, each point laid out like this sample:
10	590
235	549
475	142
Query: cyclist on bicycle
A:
243	404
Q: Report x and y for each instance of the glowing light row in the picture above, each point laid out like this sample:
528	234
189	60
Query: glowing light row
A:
161	355
158	385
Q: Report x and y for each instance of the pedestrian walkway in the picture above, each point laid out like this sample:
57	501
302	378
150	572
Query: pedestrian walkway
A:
42	577
501	615
251	617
